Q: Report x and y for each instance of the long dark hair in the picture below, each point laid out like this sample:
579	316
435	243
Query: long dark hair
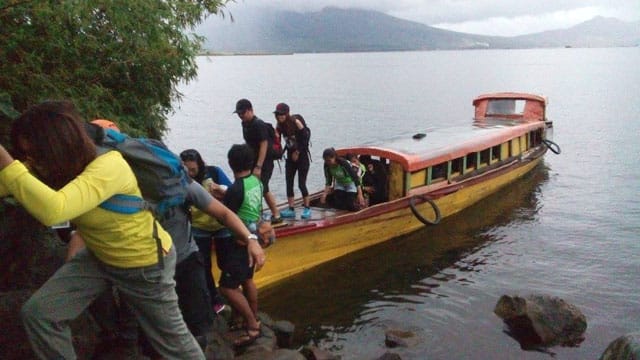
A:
52	139
194	155
288	127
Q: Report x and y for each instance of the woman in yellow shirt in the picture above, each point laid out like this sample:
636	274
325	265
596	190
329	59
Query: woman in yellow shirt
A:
68	181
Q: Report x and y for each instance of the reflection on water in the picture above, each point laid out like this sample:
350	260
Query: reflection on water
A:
350	294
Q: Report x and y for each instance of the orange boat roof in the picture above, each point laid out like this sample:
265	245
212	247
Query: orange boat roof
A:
510	95
440	145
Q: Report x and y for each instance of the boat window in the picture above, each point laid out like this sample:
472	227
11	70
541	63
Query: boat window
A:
455	167
506	107
536	137
485	155
495	153
471	161
438	173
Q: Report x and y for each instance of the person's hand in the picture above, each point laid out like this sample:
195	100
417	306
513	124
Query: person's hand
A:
76	243
5	158
256	255
323	198
361	200
217	191
257	171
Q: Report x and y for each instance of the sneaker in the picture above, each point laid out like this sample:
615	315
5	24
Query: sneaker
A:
289	213
276	220
218	308
306	213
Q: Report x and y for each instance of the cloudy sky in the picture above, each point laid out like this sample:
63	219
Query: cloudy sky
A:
486	17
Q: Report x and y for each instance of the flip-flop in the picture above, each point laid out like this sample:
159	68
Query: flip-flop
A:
247	339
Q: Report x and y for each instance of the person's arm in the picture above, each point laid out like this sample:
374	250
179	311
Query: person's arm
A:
327	184
5	160
302	137
105	176
262	154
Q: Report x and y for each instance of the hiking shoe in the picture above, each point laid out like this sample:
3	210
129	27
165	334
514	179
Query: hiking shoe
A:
218	308
306	213
288	213
276	220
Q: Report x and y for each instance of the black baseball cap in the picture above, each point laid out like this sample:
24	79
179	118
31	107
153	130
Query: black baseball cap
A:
243	105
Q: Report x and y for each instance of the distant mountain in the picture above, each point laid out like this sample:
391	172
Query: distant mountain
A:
340	30
597	32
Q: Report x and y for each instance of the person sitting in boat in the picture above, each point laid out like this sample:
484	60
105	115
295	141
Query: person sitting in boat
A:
341	182
358	167
374	181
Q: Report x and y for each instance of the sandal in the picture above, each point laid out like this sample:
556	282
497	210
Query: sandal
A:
247	339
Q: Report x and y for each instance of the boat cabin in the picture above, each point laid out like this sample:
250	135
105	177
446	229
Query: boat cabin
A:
507	127
510	106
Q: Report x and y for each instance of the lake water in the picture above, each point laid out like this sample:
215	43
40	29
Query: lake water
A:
570	229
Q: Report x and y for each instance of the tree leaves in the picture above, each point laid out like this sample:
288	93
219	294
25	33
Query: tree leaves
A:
115	59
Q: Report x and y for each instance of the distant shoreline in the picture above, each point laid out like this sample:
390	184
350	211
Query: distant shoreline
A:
267	53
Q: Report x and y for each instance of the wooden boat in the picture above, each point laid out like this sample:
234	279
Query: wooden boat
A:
428	176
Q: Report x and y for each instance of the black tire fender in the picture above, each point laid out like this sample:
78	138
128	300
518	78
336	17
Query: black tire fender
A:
425	198
555	148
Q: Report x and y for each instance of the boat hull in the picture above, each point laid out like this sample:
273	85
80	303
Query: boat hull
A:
295	253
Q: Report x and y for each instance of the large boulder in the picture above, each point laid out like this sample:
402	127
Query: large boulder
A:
540	320
626	347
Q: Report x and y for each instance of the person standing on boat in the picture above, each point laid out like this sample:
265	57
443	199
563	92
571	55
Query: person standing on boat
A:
296	135
256	135
342	182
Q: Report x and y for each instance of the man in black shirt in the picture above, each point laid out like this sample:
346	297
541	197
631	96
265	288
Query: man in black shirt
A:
256	135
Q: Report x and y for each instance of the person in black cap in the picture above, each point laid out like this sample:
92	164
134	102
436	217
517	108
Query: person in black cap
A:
296	135
256	135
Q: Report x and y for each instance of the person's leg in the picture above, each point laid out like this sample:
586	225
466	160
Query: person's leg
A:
350	201
193	295
251	293
151	293
303	171
339	199
118	338
62	298
205	248
265	176
235	273
290	169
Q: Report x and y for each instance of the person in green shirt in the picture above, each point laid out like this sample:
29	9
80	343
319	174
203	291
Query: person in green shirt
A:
341	182
244	197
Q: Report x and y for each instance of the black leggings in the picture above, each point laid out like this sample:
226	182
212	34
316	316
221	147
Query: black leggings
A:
302	167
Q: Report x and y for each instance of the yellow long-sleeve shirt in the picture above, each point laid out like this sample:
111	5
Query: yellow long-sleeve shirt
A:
121	240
